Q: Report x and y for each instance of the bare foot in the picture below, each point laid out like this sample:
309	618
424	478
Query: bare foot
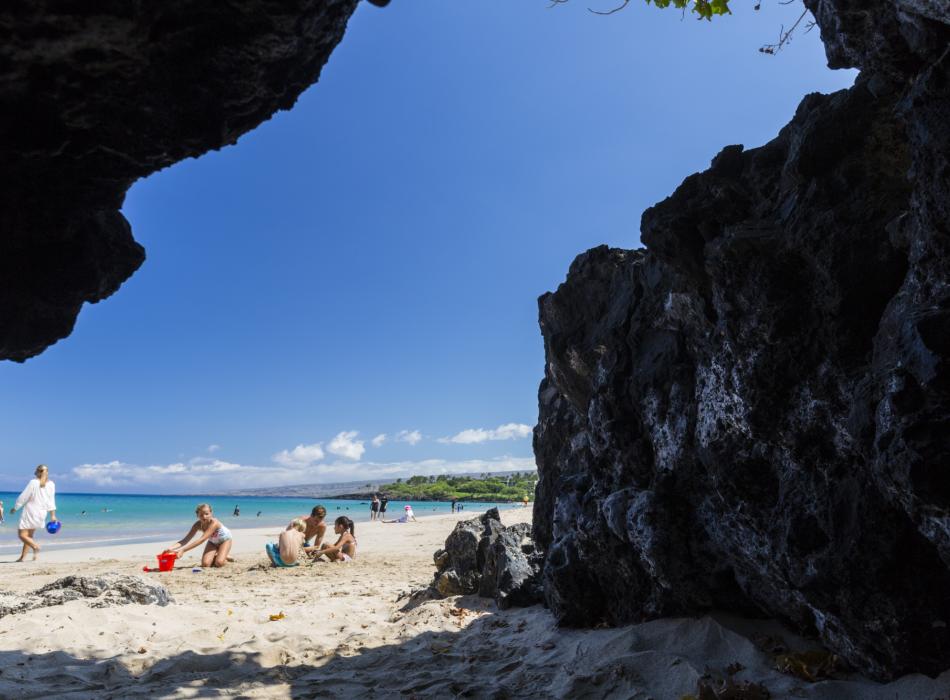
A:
36	551
20	559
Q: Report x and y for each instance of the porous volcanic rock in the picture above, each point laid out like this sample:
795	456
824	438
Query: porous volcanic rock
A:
753	413
94	96
101	591
483	556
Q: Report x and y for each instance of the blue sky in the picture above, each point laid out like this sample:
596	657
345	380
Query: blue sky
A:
368	263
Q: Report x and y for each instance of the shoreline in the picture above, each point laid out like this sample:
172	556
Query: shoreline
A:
101	530
250	540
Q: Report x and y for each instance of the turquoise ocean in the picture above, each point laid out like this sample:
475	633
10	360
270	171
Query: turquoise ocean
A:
118	519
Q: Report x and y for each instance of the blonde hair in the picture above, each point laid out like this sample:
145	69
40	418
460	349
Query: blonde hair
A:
42	468
202	506
298	524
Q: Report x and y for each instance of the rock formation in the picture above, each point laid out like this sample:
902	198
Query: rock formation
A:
96	96
101	591
482	556
753	413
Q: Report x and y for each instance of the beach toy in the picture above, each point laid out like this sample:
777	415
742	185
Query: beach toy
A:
52	527
278	616
166	561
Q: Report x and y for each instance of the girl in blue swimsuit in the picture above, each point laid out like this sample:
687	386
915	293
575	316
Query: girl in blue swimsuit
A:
216	535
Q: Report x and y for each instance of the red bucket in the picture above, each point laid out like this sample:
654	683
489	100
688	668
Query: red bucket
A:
166	561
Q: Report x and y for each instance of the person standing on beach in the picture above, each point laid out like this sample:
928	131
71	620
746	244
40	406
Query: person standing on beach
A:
374	508
454	501
237	512
1	513
382	507
37	499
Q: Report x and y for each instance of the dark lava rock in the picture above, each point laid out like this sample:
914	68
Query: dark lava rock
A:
94	96
101	591
754	412
512	570
484	557
460	564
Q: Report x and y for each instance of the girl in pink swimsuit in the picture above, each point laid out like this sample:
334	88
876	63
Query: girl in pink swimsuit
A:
345	547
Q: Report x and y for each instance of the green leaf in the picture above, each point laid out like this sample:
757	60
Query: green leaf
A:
703	9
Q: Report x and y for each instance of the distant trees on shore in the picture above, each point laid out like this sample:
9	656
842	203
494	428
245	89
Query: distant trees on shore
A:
487	487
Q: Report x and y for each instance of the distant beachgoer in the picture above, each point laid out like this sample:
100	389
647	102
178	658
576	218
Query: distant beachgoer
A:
216	535
1	513
345	547
315	527
289	544
383	501
374	508
525	500
259	513
37	499
454	501
237	512
407	517
83	513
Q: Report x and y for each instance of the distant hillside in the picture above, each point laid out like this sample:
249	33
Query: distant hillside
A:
395	488
329	490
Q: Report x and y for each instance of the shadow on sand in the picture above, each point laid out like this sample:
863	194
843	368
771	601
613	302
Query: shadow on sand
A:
474	652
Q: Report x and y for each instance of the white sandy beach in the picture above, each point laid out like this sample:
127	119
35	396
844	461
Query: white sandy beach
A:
345	633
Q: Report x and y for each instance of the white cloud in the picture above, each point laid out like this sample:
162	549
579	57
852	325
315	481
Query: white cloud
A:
346	445
215	476
413	437
300	456
196	473
508	431
378	440
213	448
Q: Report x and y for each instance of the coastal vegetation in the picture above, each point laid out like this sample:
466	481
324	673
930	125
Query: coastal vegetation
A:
486	487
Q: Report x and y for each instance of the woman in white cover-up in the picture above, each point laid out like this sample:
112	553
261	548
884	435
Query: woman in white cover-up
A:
37	499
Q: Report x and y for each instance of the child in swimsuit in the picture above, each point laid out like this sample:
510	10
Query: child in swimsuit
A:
291	541
345	547
216	535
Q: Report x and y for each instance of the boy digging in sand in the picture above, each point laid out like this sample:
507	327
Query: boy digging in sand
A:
289	544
